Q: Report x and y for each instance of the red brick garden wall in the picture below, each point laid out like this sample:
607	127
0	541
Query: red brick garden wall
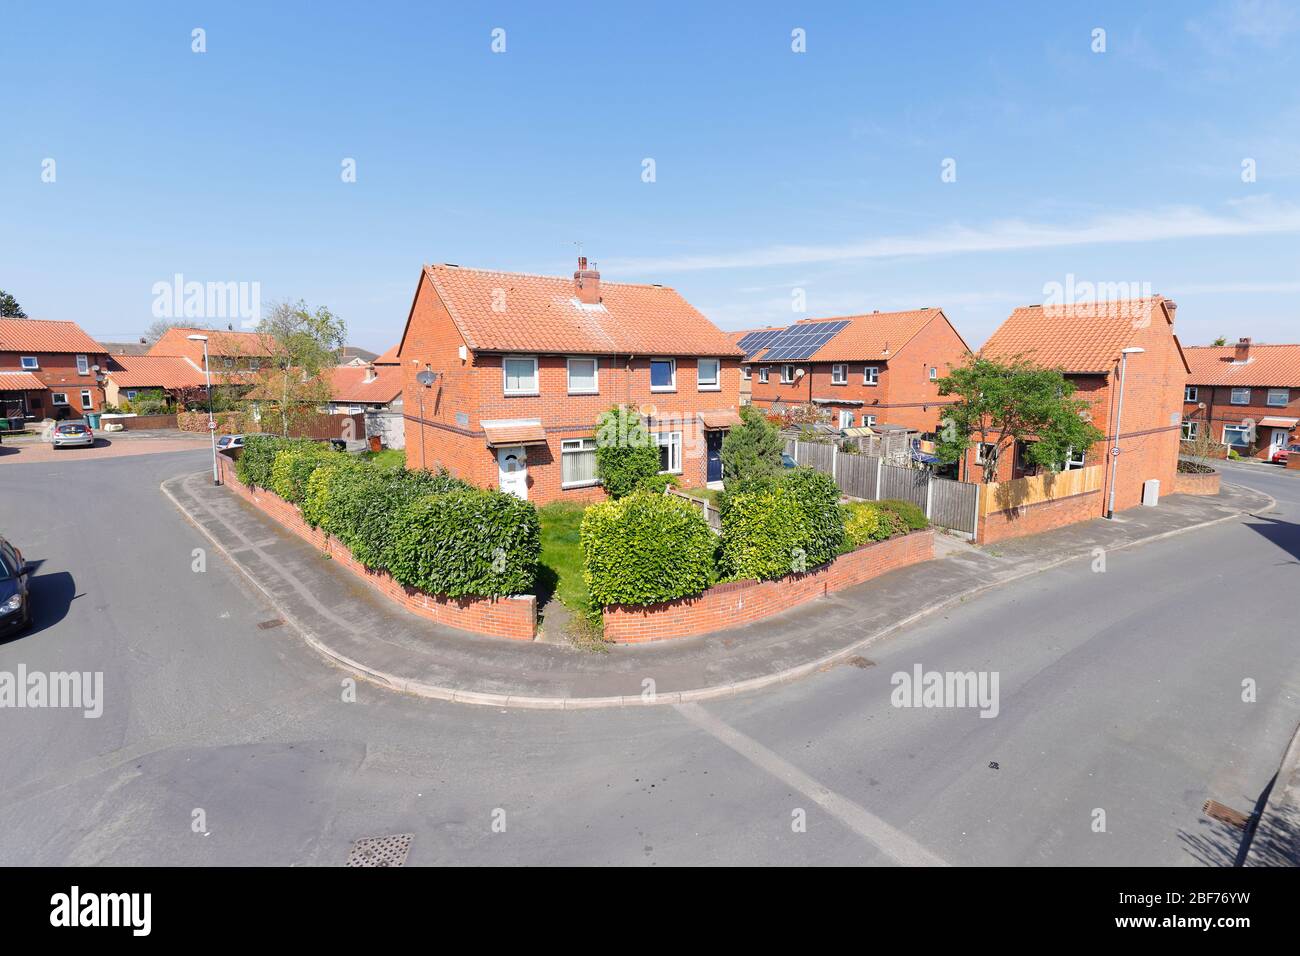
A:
512	617
1189	484
743	602
1043	516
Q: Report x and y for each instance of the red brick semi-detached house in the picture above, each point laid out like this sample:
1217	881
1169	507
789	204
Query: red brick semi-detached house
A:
1247	396
230	351
876	369
1086	342
525	364
49	369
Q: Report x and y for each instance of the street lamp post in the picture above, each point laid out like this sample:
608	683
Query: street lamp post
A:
425	378
1119	416
212	425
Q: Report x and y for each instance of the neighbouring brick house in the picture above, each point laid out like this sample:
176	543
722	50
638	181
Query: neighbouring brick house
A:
877	369
49	369
525	364
1246	395
1086	342
231	352
129	375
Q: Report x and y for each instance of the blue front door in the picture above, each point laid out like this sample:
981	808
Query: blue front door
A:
713	442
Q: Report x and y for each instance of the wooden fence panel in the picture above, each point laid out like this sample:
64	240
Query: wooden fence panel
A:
907	484
856	475
953	503
1049	486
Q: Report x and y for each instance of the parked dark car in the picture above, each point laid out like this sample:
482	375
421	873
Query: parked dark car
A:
15	610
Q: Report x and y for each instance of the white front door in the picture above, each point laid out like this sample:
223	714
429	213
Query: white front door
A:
1279	438
512	467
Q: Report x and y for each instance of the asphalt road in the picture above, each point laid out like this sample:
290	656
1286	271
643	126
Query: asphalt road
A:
1119	691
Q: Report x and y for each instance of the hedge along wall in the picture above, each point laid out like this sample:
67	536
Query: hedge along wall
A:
738	603
513	617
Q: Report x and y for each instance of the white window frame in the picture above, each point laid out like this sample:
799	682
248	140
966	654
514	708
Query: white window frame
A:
55	396
571	446
1236	428
594	389
1232	399
871	375
30	363
846	418
934	373
1074	462
131	394
1285	393
746	372
505	376
869	421
762	375
839	374
673	442
83	364
787	379
87	400
700	383
672	386
1190	429
1190	393
979	451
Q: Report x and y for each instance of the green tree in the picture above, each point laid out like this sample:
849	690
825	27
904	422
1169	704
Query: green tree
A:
752	449
1000	403
9	307
626	453
1221	341
304	344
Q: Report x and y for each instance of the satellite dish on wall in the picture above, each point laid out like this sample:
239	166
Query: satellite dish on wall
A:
426	378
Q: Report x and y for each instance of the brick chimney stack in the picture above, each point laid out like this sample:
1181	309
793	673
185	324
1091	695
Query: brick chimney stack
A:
370	373
1242	351
586	283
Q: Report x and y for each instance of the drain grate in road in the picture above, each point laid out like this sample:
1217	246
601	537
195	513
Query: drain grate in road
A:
381	851
1224	814
267	625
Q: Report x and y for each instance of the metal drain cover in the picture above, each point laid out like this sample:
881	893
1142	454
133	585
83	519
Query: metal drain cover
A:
1225	814
381	851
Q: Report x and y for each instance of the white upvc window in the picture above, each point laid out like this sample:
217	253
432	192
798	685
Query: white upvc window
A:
846	419
519	374
934	374
1278	397
1191	430
86	401
83	364
869	421
584	376
1190	393
670	452
29	362
1241	396
707	375
747	372
59	398
871	375
130	395
578	463
985	452
663	375
1074	460
762	375
1237	436
839	375
787	374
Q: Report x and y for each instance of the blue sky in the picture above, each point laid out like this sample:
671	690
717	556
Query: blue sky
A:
774	170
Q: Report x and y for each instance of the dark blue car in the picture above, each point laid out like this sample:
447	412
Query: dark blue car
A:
15	610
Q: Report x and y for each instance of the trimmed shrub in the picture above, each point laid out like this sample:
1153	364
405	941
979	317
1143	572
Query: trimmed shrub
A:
913	516
819	497
293	466
254	465
363	512
865	522
625	452
330	479
764	534
645	549
467	542
655	484
752	449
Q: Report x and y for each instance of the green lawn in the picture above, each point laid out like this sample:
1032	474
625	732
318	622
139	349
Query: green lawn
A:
388	458
561	564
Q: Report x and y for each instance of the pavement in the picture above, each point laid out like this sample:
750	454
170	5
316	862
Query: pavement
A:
226	740
351	625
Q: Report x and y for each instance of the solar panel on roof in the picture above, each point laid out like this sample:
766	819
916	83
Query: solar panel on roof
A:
755	341
801	341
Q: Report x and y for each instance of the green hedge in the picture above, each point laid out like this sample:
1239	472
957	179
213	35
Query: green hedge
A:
467	542
865	522
646	548
912	515
626	453
764	534
292	468
819	497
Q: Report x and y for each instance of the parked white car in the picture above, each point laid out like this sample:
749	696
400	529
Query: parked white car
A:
230	441
73	434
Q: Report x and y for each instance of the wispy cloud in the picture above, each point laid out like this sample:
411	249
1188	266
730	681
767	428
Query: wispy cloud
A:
1242	218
